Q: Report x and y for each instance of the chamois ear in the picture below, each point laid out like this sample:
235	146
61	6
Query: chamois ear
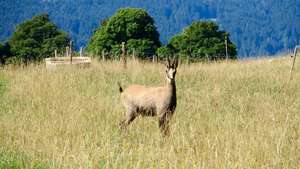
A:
167	63
175	62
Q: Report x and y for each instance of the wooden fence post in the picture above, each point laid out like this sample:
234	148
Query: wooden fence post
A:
71	48
226	48
55	53
81	52
67	51
133	54
71	57
206	57
103	55
124	54
188	59
294	60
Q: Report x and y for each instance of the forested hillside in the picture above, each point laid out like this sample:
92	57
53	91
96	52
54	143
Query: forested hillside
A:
257	27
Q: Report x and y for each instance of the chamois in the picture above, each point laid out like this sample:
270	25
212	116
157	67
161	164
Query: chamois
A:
151	101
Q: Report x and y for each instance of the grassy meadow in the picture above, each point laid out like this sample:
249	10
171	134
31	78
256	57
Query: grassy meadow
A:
234	115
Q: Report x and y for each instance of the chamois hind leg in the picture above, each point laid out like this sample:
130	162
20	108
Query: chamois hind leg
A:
164	124
130	116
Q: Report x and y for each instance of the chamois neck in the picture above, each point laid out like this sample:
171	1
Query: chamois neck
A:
171	85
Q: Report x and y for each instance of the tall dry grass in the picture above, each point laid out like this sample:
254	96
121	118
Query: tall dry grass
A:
229	115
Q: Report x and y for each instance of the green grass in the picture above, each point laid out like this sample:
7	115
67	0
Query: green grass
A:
13	160
229	115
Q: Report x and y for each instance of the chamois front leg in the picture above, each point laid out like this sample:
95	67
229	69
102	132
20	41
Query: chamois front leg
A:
163	123
128	119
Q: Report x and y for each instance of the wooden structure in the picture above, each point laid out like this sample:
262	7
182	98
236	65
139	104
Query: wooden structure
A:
69	59
53	63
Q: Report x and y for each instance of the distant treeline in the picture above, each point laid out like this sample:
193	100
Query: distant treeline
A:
38	38
256	27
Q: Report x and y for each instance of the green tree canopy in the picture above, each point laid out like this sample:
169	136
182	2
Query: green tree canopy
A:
203	40
130	25
36	39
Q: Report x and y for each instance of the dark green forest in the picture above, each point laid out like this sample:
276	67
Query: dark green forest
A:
257	27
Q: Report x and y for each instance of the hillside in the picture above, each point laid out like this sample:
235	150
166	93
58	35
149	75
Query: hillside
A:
229	115
257	27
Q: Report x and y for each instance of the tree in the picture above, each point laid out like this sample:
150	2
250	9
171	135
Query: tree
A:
130	25
36	39
203	40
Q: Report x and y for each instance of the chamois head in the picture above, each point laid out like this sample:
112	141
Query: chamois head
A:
171	69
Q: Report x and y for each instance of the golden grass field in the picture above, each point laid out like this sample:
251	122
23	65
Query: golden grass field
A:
235	115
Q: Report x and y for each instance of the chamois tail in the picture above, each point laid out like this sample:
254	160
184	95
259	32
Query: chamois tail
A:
120	87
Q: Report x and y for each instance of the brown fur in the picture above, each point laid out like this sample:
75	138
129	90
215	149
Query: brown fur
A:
151	101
